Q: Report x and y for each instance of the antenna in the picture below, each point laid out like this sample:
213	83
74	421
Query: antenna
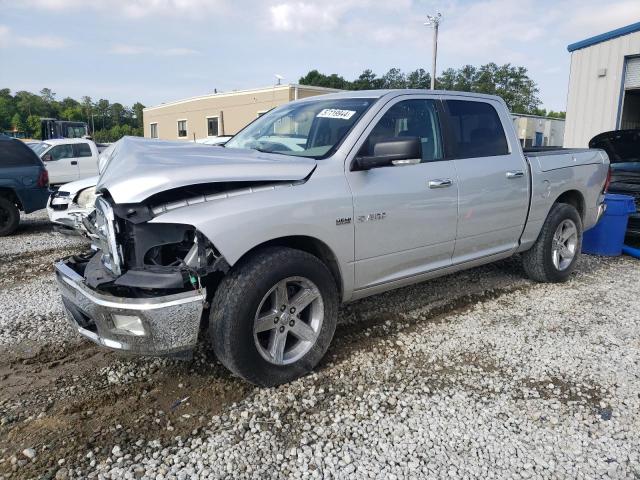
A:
279	78
434	21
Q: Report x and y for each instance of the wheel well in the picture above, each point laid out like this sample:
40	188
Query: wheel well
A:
310	245
574	198
10	195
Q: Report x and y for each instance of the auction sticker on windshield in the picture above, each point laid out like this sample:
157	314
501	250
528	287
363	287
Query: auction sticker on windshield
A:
336	113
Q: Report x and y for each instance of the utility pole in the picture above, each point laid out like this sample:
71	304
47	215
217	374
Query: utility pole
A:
434	22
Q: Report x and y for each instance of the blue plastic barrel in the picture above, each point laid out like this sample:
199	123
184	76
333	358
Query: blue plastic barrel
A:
607	237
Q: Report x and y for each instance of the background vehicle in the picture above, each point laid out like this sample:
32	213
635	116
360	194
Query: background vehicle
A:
623	149
71	204
24	184
52	128
69	159
261	240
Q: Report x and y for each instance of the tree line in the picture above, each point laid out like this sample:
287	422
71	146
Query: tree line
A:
510	82
107	121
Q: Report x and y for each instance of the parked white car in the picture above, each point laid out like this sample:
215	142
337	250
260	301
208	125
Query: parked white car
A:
68	159
71	203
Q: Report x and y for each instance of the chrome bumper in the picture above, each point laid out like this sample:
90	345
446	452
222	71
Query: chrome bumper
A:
169	324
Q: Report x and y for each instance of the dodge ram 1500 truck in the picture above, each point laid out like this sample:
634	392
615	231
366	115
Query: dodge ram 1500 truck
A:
252	246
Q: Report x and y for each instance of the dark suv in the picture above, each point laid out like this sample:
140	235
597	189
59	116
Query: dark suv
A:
24	183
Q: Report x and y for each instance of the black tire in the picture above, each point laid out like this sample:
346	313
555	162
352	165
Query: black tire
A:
238	298
9	217
538	262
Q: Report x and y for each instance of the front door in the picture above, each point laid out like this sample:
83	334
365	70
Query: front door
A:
404	215
61	164
493	180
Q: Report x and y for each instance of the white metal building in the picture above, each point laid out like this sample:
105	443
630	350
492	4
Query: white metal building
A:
604	85
538	131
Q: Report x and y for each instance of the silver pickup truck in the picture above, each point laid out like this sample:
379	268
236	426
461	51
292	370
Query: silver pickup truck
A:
253	246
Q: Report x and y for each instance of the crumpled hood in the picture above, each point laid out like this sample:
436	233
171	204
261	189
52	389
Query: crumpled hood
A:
138	168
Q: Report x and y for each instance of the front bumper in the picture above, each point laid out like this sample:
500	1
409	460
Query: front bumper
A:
67	214
169	324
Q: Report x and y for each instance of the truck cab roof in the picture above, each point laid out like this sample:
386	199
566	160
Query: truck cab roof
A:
65	141
394	92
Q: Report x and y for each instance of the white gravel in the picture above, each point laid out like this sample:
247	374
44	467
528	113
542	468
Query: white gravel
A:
539	382
30	305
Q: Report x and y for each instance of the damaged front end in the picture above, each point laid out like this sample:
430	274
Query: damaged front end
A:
143	287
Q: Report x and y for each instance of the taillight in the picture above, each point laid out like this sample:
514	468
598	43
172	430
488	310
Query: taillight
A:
607	181
43	178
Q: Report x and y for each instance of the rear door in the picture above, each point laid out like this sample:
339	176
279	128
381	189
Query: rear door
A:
493	178
405	215
87	161
61	164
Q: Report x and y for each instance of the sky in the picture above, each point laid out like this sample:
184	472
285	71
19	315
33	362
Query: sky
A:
155	51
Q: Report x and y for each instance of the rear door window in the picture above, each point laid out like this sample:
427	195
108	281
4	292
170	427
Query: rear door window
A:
14	153
82	150
476	129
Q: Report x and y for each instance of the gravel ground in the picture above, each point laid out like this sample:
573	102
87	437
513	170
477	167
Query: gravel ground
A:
477	375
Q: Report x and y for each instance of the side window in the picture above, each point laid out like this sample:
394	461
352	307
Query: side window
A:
212	126
409	118
182	128
61	151
82	150
476	129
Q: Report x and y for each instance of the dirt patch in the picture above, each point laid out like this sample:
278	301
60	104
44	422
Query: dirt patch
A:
563	390
63	403
20	268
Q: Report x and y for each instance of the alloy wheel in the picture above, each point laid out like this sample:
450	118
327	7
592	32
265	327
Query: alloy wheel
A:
565	244
288	320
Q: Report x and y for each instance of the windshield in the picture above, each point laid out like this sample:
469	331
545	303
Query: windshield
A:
39	148
307	129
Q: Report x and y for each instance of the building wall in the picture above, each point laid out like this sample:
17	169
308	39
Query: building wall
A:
552	130
233	109
594	101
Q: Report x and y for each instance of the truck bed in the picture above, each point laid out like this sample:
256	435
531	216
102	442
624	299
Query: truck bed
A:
556	158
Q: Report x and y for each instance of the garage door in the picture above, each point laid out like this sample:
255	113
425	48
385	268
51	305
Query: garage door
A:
632	73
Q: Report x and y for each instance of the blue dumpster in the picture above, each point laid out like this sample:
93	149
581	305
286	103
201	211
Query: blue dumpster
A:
607	237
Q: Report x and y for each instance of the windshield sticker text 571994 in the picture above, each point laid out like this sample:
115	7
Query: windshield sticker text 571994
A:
336	113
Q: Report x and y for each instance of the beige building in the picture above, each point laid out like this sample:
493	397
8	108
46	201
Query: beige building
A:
604	85
538	131
219	113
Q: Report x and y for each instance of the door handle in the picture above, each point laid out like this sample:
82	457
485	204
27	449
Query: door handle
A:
74	162
440	183
515	174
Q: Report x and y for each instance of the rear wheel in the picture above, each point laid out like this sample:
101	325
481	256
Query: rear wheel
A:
274	315
9	217
556	251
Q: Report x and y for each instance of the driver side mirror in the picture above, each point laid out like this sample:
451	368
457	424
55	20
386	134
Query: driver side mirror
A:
393	151
47	157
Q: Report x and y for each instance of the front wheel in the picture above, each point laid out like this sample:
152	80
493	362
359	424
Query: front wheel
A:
9	217
274	315
555	253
